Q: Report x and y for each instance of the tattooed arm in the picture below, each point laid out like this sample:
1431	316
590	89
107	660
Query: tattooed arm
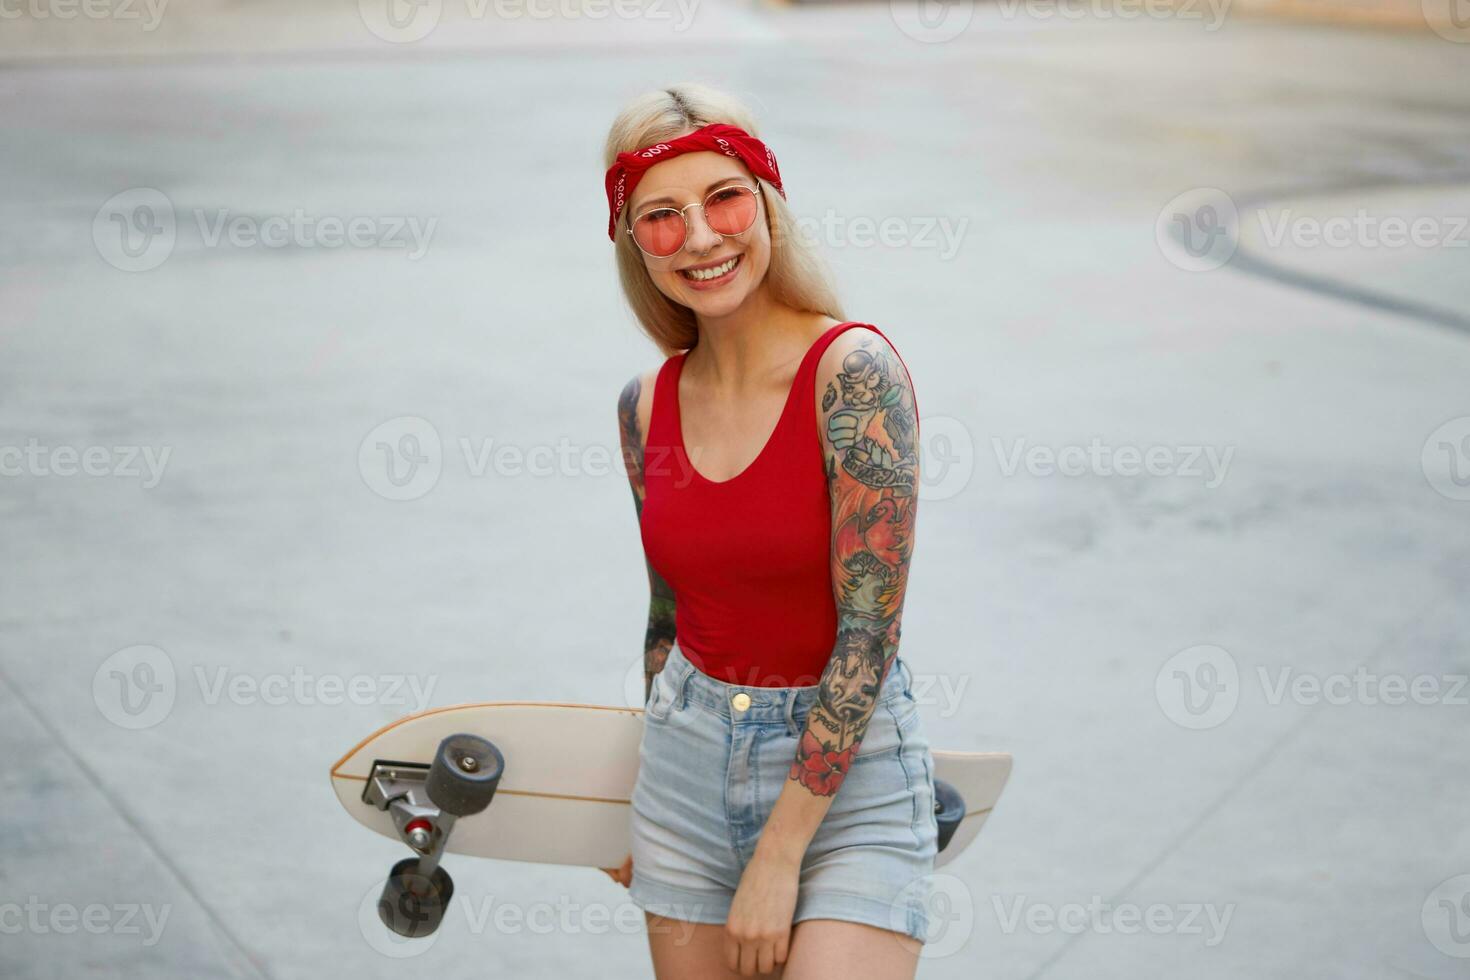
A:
869	430
869	438
634	410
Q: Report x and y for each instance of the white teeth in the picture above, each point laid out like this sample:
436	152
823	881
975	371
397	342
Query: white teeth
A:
715	273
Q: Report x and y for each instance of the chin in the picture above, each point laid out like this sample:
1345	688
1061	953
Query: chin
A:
715	306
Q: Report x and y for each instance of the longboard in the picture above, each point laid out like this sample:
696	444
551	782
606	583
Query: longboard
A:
568	775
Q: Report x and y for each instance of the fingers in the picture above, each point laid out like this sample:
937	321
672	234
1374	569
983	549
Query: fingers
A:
623	875
765	960
748	954
752	957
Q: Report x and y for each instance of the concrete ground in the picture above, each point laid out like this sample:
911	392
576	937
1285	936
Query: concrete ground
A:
1233	681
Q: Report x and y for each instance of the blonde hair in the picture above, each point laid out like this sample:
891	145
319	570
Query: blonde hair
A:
796	276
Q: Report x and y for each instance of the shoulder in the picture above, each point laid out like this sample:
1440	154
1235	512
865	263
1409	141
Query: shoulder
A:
867	415
635	407
639	388
857	352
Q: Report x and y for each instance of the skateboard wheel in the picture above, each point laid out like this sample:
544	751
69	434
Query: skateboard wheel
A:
463	776
413	904
949	810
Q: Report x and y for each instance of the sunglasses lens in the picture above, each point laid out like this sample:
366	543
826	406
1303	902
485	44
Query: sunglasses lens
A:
730	210
660	232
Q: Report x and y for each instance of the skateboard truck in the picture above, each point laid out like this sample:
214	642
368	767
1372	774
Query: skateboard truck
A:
424	802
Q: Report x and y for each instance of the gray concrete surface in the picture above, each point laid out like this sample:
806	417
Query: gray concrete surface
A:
1328	836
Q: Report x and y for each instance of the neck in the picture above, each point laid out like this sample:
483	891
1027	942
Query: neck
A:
738	349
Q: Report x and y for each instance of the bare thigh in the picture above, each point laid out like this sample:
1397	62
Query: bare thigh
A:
823	948
690	951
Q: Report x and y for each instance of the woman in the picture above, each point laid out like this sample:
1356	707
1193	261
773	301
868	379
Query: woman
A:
783	817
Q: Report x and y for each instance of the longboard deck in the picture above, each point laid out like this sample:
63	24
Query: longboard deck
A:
565	797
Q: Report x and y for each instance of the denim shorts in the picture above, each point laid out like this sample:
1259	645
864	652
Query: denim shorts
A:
712	765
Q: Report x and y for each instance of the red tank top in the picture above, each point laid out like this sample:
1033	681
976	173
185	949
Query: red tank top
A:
748	558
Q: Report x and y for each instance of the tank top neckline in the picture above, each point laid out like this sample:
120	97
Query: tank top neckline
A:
796	385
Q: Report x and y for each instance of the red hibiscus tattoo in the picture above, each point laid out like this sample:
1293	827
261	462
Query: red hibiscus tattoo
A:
819	770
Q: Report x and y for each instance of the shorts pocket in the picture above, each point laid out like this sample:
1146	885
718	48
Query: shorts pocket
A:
883	738
660	698
906	711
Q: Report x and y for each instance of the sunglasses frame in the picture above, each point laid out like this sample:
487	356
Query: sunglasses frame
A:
684	215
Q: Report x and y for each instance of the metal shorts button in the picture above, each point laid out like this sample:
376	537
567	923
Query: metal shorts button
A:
740	701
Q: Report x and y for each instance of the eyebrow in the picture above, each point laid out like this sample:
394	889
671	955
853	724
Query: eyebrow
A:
669	200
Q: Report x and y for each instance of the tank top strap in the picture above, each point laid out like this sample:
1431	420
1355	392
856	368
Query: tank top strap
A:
661	413
661	425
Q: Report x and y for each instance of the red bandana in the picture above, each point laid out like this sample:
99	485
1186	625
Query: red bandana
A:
624	175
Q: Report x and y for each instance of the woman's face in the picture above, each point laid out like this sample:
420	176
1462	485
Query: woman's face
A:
688	179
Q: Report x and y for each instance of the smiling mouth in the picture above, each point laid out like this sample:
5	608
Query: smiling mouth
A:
712	272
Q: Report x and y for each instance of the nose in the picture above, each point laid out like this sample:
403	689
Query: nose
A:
702	237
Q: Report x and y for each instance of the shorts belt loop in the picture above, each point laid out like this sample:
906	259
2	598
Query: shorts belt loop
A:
791	713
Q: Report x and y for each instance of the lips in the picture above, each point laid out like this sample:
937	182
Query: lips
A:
730	264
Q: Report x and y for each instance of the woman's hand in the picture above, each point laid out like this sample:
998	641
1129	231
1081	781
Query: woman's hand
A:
758	928
623	875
